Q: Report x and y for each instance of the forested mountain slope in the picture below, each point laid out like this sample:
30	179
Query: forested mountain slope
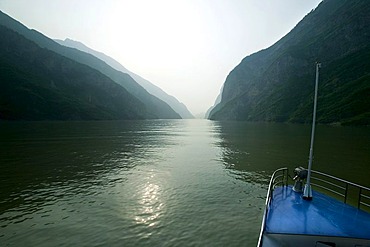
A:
277	84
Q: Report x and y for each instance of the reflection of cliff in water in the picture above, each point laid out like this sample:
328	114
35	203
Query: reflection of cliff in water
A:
251	151
260	148
72	156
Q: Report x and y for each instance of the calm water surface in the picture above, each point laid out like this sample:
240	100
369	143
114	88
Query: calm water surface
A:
155	183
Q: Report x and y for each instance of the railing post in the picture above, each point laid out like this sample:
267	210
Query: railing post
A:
285	177
346	193
359	199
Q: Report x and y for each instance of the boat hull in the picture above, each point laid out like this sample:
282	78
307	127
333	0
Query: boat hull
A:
288	240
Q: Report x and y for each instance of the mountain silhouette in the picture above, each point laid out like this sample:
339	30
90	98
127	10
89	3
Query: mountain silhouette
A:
38	84
156	107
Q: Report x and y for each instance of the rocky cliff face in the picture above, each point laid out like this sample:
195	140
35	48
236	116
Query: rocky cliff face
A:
276	84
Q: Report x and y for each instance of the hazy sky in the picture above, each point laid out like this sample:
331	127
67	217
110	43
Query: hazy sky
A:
186	47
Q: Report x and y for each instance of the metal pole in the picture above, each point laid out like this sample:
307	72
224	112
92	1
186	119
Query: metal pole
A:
307	192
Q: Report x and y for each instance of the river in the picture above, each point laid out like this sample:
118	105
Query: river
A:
157	182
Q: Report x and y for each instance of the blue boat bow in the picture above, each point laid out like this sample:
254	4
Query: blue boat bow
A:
289	220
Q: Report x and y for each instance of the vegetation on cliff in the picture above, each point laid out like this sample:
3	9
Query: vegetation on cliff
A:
277	84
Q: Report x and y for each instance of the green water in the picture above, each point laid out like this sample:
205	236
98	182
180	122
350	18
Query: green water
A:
155	183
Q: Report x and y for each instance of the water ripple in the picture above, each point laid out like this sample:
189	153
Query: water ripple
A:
140	183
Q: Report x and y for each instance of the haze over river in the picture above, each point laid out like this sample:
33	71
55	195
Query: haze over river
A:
157	182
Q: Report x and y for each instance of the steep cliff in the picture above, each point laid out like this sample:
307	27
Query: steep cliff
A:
277	84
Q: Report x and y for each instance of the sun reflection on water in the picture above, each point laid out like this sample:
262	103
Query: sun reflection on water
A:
150	204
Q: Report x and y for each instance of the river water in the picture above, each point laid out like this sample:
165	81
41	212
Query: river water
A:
155	183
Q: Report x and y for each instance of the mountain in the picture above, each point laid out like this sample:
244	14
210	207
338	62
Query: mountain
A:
217	101
155	106
277	84
38	84
179	107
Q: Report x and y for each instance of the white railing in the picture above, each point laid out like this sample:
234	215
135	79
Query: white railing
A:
349	192
279	177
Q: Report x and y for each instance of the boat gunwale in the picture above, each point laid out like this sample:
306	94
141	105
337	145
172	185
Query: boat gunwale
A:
267	202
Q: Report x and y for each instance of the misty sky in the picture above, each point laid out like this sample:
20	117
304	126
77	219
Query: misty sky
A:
186	47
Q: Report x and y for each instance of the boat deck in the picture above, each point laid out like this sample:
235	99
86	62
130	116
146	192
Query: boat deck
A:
324	216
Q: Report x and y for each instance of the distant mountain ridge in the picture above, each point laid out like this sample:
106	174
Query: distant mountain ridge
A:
156	107
38	84
276	84
179	107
